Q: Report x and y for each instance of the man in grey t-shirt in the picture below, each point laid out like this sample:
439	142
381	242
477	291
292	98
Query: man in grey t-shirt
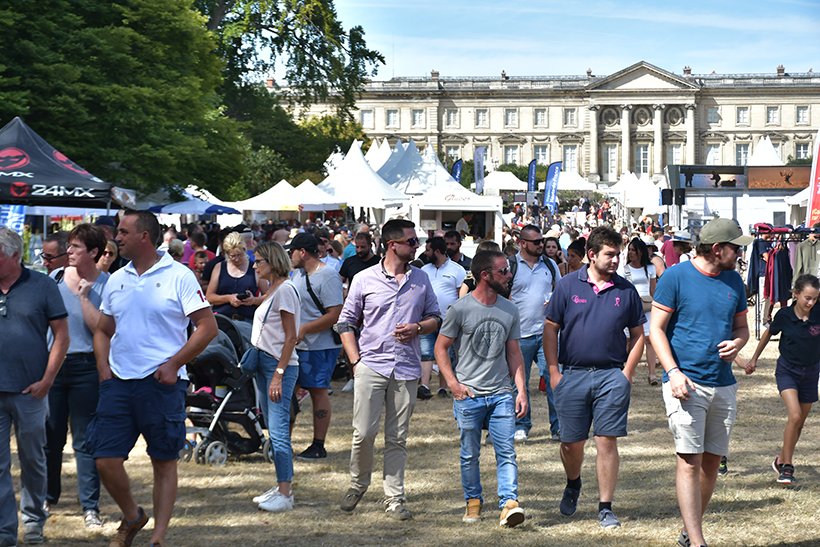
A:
487	328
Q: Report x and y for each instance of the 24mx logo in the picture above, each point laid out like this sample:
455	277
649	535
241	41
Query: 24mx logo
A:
60	191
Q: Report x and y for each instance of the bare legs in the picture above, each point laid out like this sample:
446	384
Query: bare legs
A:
797	413
695	480
607	463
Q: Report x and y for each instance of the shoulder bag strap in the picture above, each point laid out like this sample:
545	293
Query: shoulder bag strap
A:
312	294
262	328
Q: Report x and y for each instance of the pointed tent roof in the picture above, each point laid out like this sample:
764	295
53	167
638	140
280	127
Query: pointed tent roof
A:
28	162
426	176
571	180
333	161
378	155
765	154
409	162
395	155
314	194
504	180
356	183
280	197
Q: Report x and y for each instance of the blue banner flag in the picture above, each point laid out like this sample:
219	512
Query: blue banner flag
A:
478	166
551	186
13	216
531	178
457	171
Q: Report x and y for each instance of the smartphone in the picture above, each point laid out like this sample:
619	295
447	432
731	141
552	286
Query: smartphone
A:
244	296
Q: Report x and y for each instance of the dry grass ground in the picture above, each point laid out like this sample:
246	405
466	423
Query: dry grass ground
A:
749	508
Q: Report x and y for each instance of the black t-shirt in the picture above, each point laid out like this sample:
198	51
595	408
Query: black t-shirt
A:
799	340
353	265
209	267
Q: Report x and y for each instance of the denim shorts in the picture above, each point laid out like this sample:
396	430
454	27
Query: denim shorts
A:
316	366
427	345
802	379
130	408
587	396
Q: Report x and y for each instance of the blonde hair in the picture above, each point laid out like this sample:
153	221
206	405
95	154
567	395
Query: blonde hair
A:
112	246
234	242
176	248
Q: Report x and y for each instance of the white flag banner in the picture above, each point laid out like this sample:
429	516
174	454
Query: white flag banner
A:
478	168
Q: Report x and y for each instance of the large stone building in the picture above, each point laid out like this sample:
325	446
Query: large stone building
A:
638	119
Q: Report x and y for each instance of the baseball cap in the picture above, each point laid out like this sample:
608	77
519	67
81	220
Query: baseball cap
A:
105	221
724	230
322	232
682	235
304	241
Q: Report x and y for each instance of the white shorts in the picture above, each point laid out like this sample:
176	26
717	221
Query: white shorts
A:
704	422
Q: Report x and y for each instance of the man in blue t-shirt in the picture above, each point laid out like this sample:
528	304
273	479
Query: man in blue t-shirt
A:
698	326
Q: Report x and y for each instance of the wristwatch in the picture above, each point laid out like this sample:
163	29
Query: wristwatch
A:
280	371
421	329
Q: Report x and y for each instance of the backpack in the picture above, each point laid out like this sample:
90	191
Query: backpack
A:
513	262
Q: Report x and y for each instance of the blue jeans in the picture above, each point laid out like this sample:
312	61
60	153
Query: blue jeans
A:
497	414
73	396
29	418
532	348
277	415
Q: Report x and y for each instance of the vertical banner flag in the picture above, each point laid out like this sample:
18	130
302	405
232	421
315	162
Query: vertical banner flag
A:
813	210
551	186
478	167
13	216
457	171
531	178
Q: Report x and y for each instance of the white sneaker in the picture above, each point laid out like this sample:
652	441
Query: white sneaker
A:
520	435
348	386
277	503
267	495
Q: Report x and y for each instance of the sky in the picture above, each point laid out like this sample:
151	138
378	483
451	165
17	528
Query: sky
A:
529	38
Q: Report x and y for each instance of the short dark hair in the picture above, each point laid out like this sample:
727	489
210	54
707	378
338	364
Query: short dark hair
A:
201	254
704	249
394	229
146	222
531	228
91	236
806	280
60	238
577	247
366	236
657	230
483	261
452	234
438	244
199	238
603	236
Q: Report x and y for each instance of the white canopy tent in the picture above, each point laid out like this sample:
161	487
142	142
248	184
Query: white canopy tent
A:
314	194
377	155
764	154
444	203
395	155
280	197
426	176
333	161
404	166
502	180
571	180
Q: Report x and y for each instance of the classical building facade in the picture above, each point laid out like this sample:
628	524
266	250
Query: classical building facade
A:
638	119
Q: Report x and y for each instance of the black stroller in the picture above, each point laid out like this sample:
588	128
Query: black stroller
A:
224	405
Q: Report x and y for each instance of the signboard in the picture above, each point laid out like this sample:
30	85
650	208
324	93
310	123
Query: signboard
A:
711	176
787	177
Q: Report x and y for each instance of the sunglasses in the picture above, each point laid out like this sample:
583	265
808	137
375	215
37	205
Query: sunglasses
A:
108	253
503	271
3	305
53	257
412	241
534	241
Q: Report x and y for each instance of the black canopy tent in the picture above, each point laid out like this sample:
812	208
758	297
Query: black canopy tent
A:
32	172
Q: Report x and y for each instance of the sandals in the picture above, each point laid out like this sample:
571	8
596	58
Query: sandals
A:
652	381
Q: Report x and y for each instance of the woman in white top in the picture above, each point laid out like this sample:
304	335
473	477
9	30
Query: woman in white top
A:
639	270
274	334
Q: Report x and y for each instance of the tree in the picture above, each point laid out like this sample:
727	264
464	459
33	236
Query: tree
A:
264	169
125	88
322	61
791	160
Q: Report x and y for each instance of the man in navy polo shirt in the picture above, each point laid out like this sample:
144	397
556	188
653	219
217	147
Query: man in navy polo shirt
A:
593	303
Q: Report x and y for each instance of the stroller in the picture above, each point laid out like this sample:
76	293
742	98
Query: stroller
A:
224	405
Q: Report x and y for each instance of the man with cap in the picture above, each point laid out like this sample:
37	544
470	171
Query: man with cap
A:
320	292
698	326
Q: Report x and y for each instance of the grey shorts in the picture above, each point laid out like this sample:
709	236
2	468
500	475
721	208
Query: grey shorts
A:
704	422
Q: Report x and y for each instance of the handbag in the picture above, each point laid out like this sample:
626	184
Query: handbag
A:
337	339
251	358
645	300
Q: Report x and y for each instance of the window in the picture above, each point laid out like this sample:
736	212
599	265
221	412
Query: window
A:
610	162
569	117
772	115
570	158
673	153
541	116
482	118
641	159
541	154
802	151
451	117
712	154
742	115
367	119
392	118
776	146
803	115
418	118
511	155
453	153
741	154
511	117
712	115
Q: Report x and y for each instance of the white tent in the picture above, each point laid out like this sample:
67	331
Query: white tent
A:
280	197
503	180
451	201
314	194
377	155
356	183
395	155
571	180
333	161
404	166
764	154
426	176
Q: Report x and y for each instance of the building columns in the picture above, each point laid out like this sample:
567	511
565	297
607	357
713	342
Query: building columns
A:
626	149
658	127
690	134
593	143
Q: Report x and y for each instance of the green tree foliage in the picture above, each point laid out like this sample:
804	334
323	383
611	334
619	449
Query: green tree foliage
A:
126	89
522	172
791	160
264	168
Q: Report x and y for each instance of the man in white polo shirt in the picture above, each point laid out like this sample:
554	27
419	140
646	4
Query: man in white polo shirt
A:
141	346
446	278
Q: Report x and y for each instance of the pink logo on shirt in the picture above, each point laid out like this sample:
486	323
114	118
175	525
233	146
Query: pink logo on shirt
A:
578	300
814	330
617	301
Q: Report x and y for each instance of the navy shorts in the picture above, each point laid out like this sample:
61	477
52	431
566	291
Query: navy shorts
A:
802	379
586	396
316	366
130	408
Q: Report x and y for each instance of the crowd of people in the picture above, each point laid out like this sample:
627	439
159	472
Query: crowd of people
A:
109	332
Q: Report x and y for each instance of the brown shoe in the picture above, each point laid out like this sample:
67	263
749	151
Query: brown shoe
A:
126	532
473	512
512	514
